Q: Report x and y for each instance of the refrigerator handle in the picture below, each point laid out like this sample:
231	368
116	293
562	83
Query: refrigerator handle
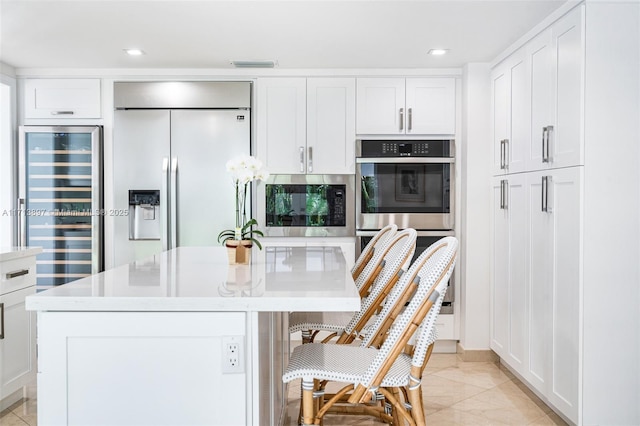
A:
173	216
164	200
22	237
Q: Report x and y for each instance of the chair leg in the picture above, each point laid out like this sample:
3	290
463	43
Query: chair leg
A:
307	402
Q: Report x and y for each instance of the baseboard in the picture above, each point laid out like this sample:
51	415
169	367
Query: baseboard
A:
476	355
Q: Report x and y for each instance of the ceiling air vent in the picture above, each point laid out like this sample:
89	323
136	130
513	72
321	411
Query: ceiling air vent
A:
254	64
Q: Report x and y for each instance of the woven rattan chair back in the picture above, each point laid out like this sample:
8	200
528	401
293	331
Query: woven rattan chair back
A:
433	278
378	241
396	254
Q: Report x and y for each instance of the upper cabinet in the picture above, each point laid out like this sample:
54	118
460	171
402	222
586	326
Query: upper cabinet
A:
62	98
306	125
406	106
537	98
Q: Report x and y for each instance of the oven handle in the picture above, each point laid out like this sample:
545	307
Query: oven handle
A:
434	233
409	160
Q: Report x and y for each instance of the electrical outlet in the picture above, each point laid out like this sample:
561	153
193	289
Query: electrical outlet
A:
232	354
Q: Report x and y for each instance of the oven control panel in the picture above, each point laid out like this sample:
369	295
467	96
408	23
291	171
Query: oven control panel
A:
406	148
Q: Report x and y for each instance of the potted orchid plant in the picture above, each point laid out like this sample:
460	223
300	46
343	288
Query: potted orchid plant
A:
243	170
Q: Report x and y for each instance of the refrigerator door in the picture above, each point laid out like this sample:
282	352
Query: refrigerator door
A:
202	141
140	157
60	186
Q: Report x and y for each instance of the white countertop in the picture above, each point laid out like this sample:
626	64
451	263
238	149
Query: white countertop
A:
10	253
200	279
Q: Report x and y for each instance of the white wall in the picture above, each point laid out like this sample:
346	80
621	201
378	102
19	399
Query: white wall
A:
476	207
611	347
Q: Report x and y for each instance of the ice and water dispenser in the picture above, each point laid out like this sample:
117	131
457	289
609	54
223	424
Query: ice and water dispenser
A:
144	215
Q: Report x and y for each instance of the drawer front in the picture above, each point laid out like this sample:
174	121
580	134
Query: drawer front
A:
446	327
16	274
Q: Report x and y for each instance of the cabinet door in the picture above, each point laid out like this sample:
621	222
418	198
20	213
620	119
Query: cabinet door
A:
62	98
500	268
380	106
282	124
430	106
539	54
565	203
509	320
501	100
518	122
539	272
331	132
568	52
18	345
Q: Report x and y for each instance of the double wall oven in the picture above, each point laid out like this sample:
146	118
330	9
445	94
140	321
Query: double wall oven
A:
409	183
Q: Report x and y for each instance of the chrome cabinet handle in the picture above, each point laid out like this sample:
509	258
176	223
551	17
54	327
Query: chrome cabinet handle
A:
545	194
401	119
310	160
506	154
16	274
546	134
22	234
502	154
302	159
62	113
503	193
410	119
1	321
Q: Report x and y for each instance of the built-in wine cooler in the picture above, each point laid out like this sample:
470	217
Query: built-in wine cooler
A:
60	200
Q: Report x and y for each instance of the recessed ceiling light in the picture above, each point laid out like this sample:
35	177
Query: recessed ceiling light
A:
437	52
254	64
134	52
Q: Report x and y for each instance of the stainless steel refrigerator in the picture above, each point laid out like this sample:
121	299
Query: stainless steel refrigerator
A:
60	200
171	143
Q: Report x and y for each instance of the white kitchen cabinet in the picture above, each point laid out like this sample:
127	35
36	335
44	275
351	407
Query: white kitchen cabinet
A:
62	98
556	60
509	325
511	112
405	106
536	256
17	326
306	126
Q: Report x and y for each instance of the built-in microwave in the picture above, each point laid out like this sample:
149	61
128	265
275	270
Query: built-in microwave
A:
307	206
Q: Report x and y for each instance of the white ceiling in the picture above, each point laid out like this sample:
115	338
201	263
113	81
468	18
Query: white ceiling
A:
296	33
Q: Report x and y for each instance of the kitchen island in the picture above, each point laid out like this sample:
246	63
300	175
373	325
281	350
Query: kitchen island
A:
181	337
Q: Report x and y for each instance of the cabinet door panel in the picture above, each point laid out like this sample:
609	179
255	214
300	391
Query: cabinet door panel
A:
539	53
519	112
379	101
430	106
331	125
17	349
566	207
568	47
500	116
517	212
62	98
539	274
500	262
282	124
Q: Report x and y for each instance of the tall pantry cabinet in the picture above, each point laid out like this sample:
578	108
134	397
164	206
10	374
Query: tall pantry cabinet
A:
542	289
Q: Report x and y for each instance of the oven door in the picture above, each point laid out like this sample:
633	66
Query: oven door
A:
410	192
424	240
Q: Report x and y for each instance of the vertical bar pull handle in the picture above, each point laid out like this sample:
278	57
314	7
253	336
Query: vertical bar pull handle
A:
22	234
546	135
164	201
506	154
173	217
545	193
302	159
1	321
401	119
504	185
549	134
310	160
410	119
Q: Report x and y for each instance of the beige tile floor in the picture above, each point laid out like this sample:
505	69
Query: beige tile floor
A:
455	393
